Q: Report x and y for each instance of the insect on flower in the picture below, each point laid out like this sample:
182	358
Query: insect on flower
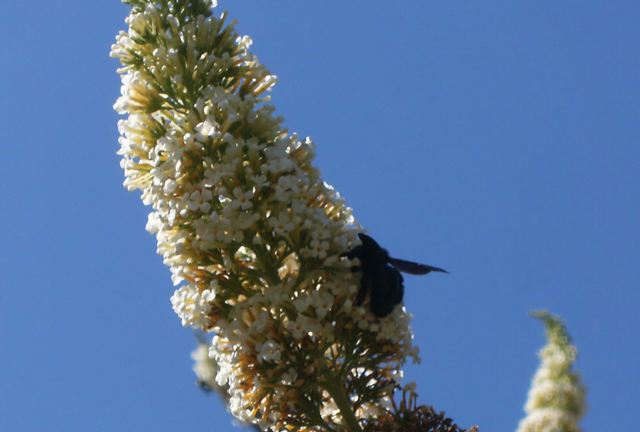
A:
381	276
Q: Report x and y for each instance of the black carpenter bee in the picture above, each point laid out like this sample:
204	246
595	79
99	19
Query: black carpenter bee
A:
381	276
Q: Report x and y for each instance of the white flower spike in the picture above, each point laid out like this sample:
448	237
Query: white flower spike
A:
556	399
252	234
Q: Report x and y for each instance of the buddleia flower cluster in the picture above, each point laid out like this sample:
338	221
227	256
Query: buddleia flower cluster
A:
408	416
253	236
556	400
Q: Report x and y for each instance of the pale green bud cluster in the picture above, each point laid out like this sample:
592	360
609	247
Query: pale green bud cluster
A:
556	400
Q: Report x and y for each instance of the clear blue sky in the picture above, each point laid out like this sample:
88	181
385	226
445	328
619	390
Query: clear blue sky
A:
497	139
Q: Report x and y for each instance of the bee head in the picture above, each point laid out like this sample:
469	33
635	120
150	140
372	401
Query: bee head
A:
372	249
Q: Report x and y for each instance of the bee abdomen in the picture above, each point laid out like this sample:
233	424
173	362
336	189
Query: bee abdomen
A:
387	292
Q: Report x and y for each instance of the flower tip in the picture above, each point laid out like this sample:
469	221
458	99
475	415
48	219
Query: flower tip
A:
540	313
549	319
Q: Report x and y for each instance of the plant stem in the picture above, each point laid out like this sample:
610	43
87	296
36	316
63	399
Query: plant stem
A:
333	386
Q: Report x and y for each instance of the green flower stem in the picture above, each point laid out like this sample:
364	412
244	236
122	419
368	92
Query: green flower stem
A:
332	385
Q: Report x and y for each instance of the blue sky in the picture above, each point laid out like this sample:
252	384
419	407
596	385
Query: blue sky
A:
497	139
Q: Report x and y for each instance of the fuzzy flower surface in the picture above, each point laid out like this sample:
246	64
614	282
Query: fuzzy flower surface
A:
253	236
556	400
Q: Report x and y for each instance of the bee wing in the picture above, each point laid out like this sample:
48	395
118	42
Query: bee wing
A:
413	267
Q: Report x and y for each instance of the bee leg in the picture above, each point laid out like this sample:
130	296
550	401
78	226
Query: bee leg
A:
204	386
355	269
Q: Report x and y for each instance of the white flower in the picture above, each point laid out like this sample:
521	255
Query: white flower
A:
169	186
154	224
244	42
207	128
289	377
192	306
269	351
